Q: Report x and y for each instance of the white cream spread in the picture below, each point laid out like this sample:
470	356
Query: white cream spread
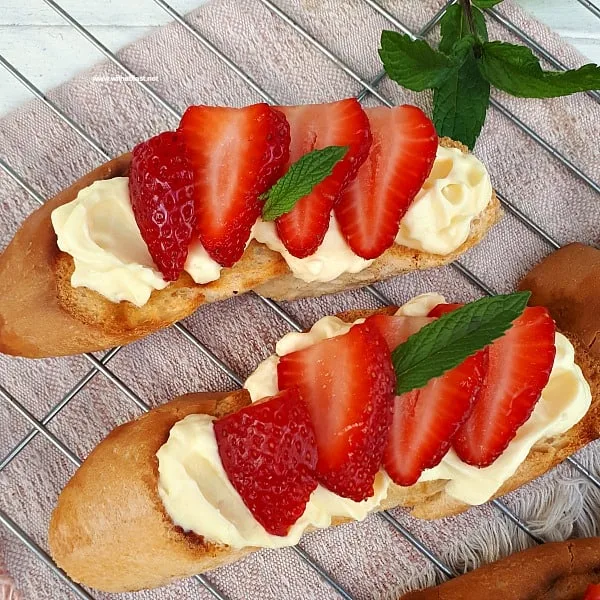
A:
456	191
98	229
332	258
198	496
200	266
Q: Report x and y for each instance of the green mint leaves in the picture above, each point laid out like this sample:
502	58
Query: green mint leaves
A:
517	71
486	3
460	93
413	63
461	71
448	341
454	27
302	176
460	104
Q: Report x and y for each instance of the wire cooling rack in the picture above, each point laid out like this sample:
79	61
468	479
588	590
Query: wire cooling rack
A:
39	427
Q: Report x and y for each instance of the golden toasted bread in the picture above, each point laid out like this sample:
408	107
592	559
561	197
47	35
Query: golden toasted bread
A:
42	314
555	571
110	531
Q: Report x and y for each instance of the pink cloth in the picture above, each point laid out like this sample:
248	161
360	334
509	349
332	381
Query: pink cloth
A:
370	559
8	591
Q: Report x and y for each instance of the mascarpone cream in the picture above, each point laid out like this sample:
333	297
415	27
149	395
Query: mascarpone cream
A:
199	497
332	258
99	231
456	191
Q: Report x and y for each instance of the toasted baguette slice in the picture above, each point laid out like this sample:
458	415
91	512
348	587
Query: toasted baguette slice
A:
110	531
566	282
555	571
42	315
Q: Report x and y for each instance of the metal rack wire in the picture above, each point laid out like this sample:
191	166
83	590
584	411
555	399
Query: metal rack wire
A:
99	366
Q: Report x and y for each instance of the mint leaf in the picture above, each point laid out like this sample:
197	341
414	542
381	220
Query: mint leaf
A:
516	70
413	63
460	103
453	27
449	340
302	176
486	3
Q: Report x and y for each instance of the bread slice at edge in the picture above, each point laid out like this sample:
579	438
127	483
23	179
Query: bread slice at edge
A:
42	314
547	572
110	531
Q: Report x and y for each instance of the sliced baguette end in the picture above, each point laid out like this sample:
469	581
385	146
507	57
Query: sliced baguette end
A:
109	529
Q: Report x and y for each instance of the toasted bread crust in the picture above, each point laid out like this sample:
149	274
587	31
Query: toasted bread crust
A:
32	320
42	314
555	571
110	531
566	282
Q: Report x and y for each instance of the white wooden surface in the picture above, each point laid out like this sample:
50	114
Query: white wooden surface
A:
47	50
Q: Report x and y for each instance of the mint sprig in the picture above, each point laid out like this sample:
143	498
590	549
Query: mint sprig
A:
461	71
516	70
460	103
486	3
448	341
300	179
413	63
454	26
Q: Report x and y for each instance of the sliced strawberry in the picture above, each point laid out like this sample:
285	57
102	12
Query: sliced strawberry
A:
397	329
269	453
425	420
312	127
442	309
592	592
161	186
519	368
348	384
237	154
401	157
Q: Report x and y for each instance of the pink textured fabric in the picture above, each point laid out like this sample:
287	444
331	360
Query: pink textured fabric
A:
8	591
370	559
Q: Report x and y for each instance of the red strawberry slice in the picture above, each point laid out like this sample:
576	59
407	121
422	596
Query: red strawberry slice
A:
402	154
518	370
161	185
312	127
269	453
397	329
237	154
426	420
348	384
442	309
592	592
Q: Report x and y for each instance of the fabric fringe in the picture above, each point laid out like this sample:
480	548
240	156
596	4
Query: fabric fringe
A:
7	587
557	509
